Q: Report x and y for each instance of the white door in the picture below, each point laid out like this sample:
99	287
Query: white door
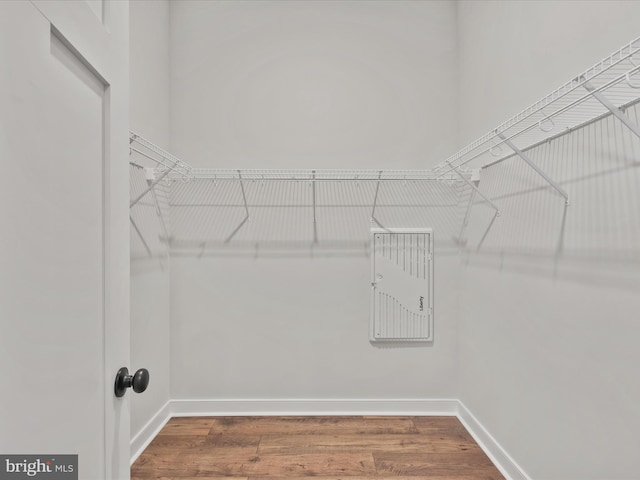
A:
64	326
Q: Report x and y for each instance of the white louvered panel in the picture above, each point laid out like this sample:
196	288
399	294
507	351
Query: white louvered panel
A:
402	285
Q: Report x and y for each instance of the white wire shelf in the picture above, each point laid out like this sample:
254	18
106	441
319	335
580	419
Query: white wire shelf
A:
306	212
615	79
176	169
319	175
207	218
213	208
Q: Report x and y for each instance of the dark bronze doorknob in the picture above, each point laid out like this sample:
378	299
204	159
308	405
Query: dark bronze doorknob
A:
139	381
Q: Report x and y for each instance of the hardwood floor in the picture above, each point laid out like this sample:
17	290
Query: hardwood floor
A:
327	448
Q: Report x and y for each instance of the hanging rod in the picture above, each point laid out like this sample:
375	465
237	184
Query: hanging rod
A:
328	179
314	175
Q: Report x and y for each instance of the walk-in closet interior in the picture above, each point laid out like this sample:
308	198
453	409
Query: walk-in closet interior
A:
382	209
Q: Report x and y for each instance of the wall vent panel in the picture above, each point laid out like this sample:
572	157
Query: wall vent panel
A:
402	285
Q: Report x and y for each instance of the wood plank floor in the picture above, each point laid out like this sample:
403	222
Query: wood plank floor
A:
327	448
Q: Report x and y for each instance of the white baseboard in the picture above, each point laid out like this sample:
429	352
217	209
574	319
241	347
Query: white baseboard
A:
188	407
498	455
253	407
149	431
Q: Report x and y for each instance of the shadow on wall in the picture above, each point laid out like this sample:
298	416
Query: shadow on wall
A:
596	238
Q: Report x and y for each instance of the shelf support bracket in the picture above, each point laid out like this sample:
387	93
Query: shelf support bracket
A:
529	162
375	202
149	188
167	239
475	189
467	214
486	232
313	192
144	242
159	179
246	210
611	107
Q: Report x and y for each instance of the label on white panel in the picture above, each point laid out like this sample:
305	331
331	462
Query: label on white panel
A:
402	285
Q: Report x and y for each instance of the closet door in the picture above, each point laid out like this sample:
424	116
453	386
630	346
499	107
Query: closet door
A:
64	327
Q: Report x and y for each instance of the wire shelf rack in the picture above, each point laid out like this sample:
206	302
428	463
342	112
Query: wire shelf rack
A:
300	210
608	87
293	210
213	211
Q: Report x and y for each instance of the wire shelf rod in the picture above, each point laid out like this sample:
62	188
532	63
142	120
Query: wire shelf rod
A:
137	165
330	180
305	205
320	175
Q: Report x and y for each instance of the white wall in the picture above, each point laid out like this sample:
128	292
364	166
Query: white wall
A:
149	116
308	85
282	328
313	84
513	53
548	354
